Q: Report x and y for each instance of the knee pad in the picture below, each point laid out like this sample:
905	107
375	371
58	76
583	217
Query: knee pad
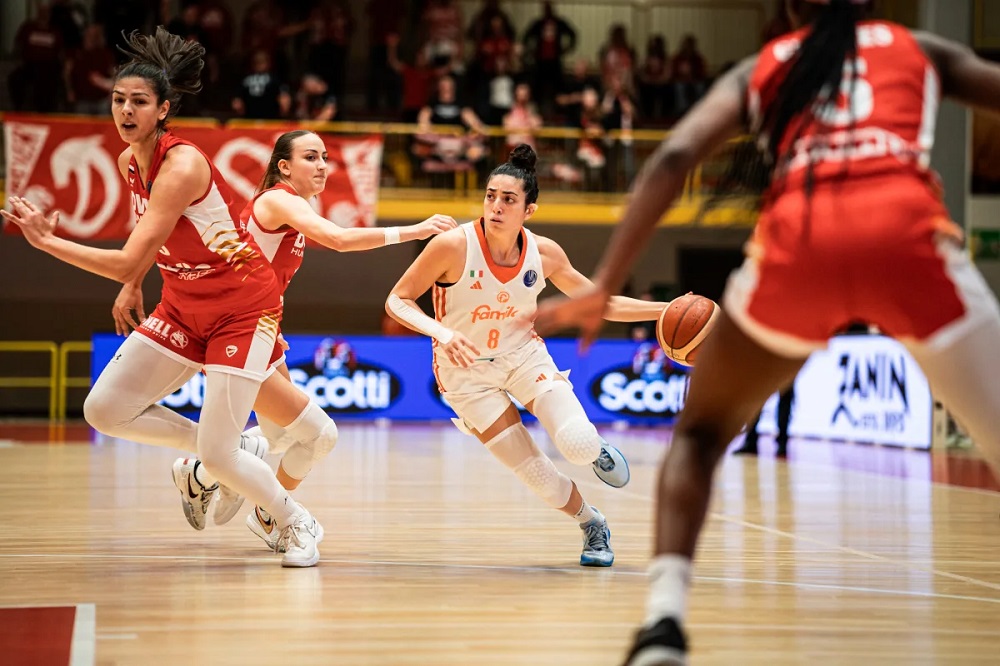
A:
300	458
578	441
560	413
517	451
542	477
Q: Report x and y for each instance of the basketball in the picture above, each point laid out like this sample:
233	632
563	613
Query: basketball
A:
683	326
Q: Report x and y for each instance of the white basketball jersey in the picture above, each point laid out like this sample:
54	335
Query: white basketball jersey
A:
487	302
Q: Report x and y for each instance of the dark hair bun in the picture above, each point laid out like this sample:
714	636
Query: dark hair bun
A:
523	157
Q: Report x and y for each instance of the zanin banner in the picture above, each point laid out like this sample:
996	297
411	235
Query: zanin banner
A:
71	165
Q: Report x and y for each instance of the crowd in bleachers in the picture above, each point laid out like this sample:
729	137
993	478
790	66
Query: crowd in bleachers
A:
426	63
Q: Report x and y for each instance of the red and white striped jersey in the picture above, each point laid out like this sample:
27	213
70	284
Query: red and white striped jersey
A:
209	262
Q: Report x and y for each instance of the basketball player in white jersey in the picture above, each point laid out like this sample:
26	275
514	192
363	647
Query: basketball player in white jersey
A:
486	276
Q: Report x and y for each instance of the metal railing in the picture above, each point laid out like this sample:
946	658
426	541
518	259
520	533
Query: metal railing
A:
58	381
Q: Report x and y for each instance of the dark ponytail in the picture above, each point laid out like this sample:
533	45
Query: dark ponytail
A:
282	151
816	72
171	65
521	165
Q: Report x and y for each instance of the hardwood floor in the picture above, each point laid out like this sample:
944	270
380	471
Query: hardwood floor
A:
435	554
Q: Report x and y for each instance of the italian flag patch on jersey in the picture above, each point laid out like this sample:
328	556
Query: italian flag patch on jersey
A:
475	274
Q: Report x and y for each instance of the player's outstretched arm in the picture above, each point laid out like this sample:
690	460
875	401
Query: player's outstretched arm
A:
572	282
965	77
183	178
277	208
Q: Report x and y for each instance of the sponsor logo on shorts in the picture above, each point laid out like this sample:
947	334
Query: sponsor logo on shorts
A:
530	278
157	327
503	296
178	339
231	350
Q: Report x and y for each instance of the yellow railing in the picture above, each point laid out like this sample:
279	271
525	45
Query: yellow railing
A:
64	381
58	381
50	382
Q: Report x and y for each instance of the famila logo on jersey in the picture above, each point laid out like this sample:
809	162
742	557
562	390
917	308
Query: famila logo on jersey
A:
650	386
487	313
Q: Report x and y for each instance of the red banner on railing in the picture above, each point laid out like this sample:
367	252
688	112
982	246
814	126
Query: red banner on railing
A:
70	165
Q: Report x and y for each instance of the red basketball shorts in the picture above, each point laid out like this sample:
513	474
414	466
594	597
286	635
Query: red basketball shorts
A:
881	250
240	343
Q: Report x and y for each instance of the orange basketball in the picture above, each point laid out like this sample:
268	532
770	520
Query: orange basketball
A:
683	326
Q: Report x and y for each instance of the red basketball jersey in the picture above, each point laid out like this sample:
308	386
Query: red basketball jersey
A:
283	246
209	262
889	126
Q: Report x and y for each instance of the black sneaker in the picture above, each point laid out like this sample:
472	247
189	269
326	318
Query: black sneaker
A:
663	644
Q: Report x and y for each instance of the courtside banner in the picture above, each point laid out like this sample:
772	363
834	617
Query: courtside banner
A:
70	165
863	388
392	377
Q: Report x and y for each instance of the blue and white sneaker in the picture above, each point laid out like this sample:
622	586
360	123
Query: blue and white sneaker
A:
596	543
611	466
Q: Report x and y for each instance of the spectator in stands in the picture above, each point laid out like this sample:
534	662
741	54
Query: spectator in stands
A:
689	73
546	41
314	101
569	101
491	68
480	26
442	39
443	152
654	80
416	79
188	24
522	120
89	73
383	27
35	83
263	95
330	28
123	16
216	24
69	18
617	58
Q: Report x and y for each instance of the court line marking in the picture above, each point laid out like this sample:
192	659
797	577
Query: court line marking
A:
818	542
578	571
83	649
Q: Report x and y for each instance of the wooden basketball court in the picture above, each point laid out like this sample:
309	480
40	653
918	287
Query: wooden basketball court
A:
435	554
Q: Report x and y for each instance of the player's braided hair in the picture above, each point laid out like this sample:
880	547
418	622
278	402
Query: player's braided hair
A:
171	65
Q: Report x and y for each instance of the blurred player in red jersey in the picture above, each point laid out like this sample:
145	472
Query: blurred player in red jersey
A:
852	228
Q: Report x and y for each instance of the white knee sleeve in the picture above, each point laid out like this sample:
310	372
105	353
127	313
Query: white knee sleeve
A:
515	449
560	413
302	456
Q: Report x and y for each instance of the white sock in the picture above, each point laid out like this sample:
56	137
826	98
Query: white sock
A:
202	476
585	514
669	581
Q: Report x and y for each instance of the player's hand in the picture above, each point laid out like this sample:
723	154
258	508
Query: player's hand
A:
129	300
281	341
460	350
585	312
434	225
37	228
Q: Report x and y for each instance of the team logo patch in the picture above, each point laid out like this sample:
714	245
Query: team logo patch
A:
178	339
530	278
503	297
231	350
